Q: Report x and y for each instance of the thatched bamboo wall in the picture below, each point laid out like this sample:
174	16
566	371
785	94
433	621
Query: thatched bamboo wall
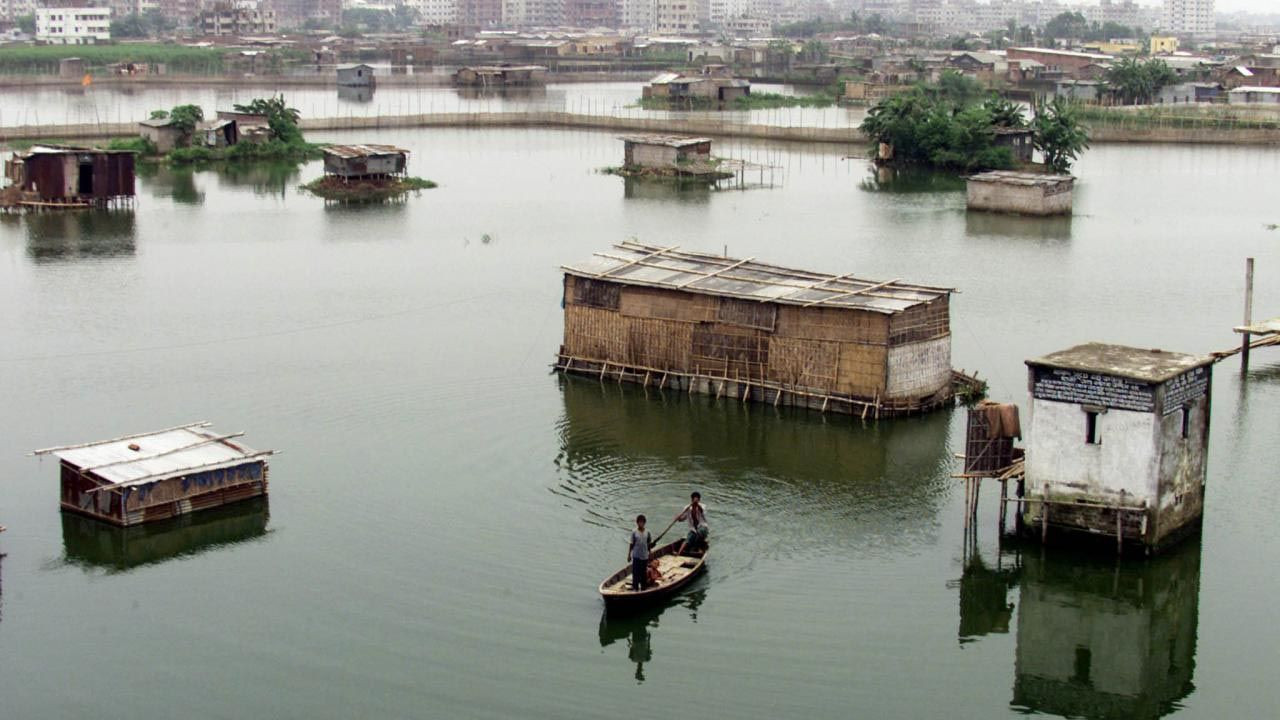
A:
845	352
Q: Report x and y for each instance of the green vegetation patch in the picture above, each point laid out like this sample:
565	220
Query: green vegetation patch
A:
44	58
331	187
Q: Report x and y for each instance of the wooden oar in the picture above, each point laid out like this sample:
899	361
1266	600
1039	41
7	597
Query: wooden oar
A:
664	532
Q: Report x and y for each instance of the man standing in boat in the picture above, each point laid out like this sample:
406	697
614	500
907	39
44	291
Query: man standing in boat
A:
638	552
696	514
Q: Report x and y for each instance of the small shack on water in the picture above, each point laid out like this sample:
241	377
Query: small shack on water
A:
1022	193
67	176
158	475
162	133
500	75
359	75
1117	443
364	162
743	329
72	67
670	155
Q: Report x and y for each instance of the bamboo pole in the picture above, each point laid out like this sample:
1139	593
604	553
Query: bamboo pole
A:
45	451
1248	314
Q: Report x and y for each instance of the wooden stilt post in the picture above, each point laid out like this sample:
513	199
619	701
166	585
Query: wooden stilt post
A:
1004	501
1044	515
1119	536
1248	313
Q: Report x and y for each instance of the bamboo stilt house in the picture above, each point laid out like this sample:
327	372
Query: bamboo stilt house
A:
158	475
744	329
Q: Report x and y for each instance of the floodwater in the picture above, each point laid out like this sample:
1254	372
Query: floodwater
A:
444	506
107	103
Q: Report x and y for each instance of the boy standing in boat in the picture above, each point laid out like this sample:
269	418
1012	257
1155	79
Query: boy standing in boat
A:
696	514
638	551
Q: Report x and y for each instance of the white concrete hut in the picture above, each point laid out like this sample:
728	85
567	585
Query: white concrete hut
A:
1117	443
1021	193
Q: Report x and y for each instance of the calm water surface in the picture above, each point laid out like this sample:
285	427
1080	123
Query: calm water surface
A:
443	506
113	103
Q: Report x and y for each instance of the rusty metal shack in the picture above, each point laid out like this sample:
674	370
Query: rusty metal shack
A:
747	330
664	151
66	176
158	475
500	75
359	75
1117	443
361	162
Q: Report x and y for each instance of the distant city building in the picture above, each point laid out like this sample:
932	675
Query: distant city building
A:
226	18
73	25
434	12
678	17
1188	17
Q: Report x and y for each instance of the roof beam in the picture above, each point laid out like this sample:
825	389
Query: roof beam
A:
206	441
851	293
704	276
170	474
46	451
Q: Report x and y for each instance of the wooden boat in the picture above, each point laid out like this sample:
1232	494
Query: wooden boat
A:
677	571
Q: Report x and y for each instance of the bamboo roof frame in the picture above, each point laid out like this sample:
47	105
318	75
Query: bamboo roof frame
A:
76	446
724	267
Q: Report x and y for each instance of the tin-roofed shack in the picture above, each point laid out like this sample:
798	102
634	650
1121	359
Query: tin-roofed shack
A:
1020	192
668	155
1117	443
355	75
158	475
351	162
62	175
748	330
500	75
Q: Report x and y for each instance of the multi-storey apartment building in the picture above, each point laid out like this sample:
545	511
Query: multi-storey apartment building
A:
591	13
1188	17
434	12
73	25
227	18
679	17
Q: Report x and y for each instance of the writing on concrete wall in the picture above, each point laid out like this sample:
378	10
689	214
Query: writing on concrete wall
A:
1185	389
1086	388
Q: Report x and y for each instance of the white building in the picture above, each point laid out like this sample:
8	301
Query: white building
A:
73	25
680	17
1188	17
640	15
1118	442
434	12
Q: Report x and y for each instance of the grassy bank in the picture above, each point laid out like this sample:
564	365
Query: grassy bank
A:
43	59
334	188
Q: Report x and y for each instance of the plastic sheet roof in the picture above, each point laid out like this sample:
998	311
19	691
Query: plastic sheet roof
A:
633	263
158	456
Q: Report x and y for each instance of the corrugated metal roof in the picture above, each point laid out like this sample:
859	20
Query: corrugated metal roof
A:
160	455
664	78
633	263
676	141
354	151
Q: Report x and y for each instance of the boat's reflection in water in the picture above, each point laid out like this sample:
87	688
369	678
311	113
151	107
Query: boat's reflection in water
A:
636	627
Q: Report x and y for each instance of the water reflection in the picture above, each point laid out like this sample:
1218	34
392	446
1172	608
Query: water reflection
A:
264	178
636	628
984	597
74	234
910	180
802	482
999	225
93	544
527	92
176	183
347	93
1098	639
667	190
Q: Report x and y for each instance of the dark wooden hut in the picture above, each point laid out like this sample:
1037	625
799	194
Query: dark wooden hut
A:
64	175
739	328
158	475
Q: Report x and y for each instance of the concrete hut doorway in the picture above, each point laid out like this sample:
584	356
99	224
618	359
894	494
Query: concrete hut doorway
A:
84	181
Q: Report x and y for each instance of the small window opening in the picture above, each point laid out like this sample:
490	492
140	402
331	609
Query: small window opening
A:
1091	427
1186	423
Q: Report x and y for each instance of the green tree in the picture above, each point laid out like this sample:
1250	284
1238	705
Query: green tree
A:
282	119
128	26
815	51
926	128
26	23
877	25
1067	25
1138	81
1059	135
1004	113
185	118
957	89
